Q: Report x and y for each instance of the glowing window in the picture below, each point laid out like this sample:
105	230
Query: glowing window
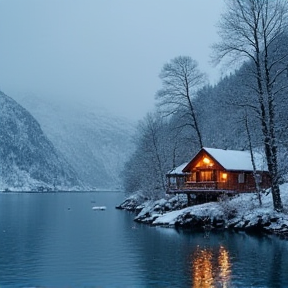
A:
206	160
224	177
206	175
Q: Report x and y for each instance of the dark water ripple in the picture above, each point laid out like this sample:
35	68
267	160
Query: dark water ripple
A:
58	240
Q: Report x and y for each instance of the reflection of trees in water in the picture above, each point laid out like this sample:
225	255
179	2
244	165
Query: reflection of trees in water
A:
209	270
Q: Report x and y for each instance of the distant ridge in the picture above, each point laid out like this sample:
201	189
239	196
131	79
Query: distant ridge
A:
94	142
28	160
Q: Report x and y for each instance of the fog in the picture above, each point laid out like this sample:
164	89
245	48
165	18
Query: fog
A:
105	52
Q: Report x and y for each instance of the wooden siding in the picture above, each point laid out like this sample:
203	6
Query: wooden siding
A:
203	175
181	185
197	162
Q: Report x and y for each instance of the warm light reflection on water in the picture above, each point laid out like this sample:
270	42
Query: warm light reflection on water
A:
224	267
202	269
211	269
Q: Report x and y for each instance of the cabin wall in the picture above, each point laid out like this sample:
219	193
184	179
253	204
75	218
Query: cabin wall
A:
244	181
175	181
234	180
237	181
204	173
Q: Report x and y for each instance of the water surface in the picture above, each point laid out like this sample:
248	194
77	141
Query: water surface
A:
58	240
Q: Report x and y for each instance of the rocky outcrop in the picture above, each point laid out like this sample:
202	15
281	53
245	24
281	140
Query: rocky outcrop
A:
277	223
133	203
238	213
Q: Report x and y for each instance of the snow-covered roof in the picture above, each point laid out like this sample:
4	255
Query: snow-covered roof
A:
238	160
178	170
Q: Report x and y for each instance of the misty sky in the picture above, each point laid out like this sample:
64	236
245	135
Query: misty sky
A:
109	52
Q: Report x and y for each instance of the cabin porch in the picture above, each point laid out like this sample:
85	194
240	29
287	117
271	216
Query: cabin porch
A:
211	180
208	186
206	191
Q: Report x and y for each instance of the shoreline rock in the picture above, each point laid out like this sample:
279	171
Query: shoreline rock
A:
133	203
240	213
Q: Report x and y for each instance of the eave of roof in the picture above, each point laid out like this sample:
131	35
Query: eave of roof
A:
234	160
178	170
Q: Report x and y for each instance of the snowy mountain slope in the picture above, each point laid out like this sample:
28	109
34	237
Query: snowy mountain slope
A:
95	143
28	159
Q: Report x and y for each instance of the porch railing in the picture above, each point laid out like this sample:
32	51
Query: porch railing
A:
207	185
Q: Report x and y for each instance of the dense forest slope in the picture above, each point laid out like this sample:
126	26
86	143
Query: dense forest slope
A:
94	142
225	114
29	161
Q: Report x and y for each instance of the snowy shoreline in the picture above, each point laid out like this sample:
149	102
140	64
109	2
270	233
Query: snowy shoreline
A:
241	212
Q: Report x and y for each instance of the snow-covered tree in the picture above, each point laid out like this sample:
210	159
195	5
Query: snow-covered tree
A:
152	158
251	29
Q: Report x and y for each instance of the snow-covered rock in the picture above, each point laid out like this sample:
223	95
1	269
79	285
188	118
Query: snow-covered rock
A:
193	217
241	212
133	203
152	210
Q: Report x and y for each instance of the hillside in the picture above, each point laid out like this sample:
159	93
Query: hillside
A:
94	142
29	161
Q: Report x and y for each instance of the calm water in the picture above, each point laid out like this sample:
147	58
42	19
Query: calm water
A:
57	240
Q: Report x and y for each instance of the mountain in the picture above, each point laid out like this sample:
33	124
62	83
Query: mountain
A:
94	142
28	160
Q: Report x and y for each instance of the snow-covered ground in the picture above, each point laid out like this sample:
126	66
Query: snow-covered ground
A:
241	212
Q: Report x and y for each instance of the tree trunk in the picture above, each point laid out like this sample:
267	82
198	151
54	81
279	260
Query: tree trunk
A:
253	161
193	115
272	161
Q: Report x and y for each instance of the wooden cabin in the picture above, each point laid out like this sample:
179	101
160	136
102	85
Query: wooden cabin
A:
213	172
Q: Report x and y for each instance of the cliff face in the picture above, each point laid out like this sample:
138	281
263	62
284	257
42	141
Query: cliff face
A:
94	142
28	160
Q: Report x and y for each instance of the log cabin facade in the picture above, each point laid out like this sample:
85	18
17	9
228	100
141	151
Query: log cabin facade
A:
213	172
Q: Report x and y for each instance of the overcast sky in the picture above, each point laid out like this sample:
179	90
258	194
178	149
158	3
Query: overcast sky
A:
109	52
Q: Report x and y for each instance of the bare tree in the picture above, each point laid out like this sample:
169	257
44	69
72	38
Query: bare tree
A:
180	79
152	130
256	179
252	28
146	169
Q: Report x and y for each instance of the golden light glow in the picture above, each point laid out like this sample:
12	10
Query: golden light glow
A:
206	160
209	270
224	176
224	267
202	269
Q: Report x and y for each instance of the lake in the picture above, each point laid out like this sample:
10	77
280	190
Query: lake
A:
58	240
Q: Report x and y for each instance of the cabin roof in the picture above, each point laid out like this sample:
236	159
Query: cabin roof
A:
235	160
178	170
